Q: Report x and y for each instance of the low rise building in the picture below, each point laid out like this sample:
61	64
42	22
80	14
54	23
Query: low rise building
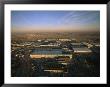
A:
48	53
82	50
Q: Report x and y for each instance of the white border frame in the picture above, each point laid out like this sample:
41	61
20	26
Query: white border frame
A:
55	80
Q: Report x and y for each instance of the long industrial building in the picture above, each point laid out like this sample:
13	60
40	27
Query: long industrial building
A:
80	48
48	53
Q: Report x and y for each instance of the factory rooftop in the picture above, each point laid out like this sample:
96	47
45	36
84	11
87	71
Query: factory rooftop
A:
82	50
47	51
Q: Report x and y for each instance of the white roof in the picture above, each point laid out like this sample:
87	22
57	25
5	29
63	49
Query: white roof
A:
82	50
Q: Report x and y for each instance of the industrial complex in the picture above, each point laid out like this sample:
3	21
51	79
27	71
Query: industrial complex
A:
55	57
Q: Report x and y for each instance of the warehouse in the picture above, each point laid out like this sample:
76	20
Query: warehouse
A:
48	53
82	50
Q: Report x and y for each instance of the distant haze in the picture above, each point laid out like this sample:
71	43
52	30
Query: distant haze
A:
55	21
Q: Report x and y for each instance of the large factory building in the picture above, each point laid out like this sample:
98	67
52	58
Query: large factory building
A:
48	53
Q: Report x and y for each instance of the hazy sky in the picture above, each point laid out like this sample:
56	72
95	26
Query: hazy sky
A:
55	20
